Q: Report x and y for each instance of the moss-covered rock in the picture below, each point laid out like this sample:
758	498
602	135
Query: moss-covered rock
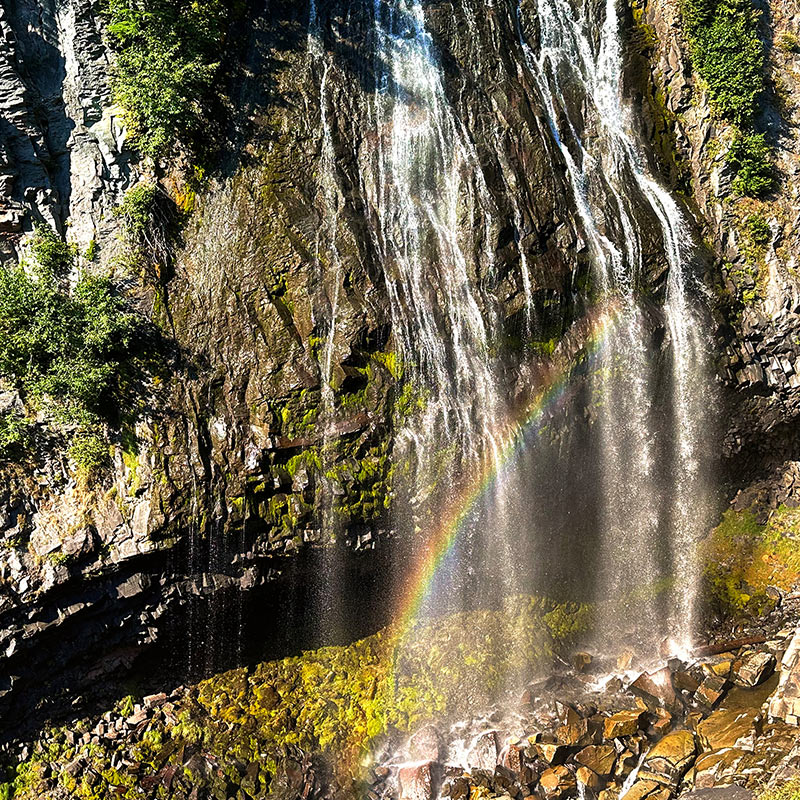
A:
743	558
254	728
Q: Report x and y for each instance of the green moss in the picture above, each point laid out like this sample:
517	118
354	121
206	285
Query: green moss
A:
755	237
307	459
743	558
729	56
785	790
336	702
788	42
544	348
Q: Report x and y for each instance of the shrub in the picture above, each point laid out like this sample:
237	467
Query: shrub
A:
168	55
137	209
749	157
60	349
727	54
758	230
14	433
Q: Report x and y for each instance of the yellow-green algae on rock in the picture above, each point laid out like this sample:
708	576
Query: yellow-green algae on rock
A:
336	703
743	558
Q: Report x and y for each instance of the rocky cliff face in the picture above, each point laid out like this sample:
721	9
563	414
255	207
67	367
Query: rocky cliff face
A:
756	281
236	463
226	469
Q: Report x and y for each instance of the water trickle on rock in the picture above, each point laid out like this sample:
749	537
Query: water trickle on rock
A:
654	498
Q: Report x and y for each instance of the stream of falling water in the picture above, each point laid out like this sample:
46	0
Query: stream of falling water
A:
655	502
427	191
423	185
331	274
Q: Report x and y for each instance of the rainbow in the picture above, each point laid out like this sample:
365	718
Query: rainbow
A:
555	390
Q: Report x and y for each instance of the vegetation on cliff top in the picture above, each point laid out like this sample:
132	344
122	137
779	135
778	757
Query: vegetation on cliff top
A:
61	347
729	56
167	66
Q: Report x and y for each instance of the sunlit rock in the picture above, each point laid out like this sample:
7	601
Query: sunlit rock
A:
557	782
785	704
418	781
426	745
669	760
711	690
647	790
623	723
599	758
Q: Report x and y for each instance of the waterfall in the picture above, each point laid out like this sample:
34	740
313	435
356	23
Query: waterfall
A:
432	223
424	185
647	516
330	271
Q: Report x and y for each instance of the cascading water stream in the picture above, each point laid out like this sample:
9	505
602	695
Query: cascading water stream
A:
609	178
331	274
426	189
432	219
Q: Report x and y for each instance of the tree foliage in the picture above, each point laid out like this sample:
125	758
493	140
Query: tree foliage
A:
62	350
168	57
749	157
727	53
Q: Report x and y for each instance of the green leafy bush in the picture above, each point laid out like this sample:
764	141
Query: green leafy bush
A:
137	209
168	56
749	157
727	54
758	230
14	432
62	349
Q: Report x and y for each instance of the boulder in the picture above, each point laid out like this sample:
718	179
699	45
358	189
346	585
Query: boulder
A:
551	753
662	722
655	687
669	760
752	669
711	690
513	758
735	722
426	745
484	751
598	758
576	730
557	782
418	781
504	778
646	790
685	681
785	704
623	723
585	777
713	768
581	661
